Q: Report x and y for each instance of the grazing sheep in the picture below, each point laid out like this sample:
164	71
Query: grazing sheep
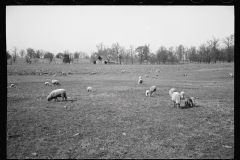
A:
64	73
47	84
55	82
182	95
153	89
12	85
89	89
190	102
146	75
57	93
175	97
185	74
157	71
54	75
231	75
148	93
140	80
69	72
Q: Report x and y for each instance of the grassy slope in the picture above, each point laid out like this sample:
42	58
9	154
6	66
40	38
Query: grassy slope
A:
117	120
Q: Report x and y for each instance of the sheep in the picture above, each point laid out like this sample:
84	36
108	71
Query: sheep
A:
148	93
182	95
89	89
47	84
153	89
64	73
231	75
146	75
54	75
55	82
185	74
12	85
175	97
157	71
57	93
190	101
140	80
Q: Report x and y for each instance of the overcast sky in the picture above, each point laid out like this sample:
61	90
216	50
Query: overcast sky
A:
81	28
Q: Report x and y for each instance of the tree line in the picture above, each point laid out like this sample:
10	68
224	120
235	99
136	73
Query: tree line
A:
32	56
211	51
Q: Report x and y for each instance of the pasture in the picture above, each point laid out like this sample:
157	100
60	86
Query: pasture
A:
116	119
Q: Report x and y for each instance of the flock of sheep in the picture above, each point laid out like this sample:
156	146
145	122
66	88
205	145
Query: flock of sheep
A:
176	97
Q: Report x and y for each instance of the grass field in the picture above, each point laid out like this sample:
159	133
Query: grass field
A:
117	120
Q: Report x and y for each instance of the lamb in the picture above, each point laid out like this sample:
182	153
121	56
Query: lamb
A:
89	89
148	93
140	80
55	82
47	84
231	75
190	101
57	93
175	97
152	89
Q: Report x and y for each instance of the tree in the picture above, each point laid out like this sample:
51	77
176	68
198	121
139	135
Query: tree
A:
59	55
213	47
49	56
152	58
8	55
132	53
140	51
146	50
162	54
30	53
229	42
76	55
22	53
14	55
116	50
66	57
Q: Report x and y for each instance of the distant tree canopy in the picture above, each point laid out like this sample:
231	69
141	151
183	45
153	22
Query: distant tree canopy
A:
59	55
8	55
49	56
66	58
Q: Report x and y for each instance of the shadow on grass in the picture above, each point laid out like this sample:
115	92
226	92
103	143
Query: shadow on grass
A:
187	106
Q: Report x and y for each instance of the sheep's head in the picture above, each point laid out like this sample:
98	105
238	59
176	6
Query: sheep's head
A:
49	98
171	91
182	95
189	102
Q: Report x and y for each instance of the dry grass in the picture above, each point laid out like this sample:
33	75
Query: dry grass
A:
117	120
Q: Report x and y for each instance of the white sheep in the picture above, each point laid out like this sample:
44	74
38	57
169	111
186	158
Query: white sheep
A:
182	95
231	75
175	97
89	89
153	89
140	80
157	71
55	82
148	93
54	75
57	93
12	85
185	74
47	84
64	73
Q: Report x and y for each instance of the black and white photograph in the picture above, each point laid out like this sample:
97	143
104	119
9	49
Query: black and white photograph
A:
120	81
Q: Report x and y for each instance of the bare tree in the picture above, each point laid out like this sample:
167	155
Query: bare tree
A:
213	46
229	42
14	55
132	53
116	49
22	53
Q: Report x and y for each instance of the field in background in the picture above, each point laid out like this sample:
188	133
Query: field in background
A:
117	120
